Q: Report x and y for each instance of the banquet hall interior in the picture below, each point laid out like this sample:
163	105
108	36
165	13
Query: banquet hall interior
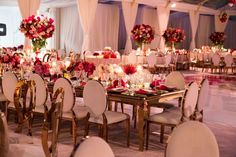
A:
117	78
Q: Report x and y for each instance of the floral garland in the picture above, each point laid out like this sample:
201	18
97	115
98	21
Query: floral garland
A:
223	17
217	38
13	60
82	66
174	35
142	34
38	29
41	68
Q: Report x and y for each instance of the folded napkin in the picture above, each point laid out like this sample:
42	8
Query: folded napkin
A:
155	83
144	92
95	54
163	87
116	83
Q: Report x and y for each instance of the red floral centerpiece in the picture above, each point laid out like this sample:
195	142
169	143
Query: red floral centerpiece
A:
41	68
223	17
38	29
173	36
217	38
142	34
13	60
84	66
129	69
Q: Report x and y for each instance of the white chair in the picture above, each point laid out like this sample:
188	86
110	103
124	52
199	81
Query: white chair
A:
174	117
99	146
215	63
9	82
165	67
71	110
193	139
202	99
175	79
151	62
41	93
229	60
95	98
32	150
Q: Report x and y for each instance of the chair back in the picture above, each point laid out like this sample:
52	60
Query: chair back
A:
132	58
193	139
52	116
46	57
168	59
216	59
9	82
4	137
41	89
69	97
175	79
94	96
203	94
152	59
189	100
100	148
229	60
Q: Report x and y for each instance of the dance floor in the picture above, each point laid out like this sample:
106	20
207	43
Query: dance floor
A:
219	117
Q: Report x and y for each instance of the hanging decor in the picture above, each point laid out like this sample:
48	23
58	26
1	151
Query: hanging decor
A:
223	17
142	34
173	36
231	3
217	39
37	29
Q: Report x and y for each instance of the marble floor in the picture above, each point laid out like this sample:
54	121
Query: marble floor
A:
219	116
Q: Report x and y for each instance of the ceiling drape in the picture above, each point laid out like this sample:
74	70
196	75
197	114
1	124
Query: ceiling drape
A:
163	14
129	11
194	20
87	11
27	8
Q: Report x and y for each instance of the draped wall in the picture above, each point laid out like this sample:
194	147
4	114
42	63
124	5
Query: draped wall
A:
104	32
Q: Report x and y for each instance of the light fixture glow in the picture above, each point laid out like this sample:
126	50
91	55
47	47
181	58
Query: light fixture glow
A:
173	5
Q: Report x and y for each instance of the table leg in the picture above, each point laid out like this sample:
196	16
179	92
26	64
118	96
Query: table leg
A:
142	114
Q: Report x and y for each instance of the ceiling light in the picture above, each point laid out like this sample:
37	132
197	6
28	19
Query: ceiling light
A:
173	5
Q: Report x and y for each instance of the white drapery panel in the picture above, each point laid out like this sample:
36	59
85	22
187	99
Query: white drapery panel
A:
205	27
87	10
27	8
71	34
149	17
162	18
54	41
230	33
105	28
129	11
194	18
220	26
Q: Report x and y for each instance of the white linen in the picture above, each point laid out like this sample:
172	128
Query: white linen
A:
87	11
163	18
130	11
194	19
27	8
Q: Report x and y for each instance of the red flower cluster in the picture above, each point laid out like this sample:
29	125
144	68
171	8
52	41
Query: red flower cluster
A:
41	68
174	35
142	34
37	27
109	54
223	17
129	69
217	38
7	49
13	60
85	66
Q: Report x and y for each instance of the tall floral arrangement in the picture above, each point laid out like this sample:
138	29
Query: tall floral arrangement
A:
37	29
142	34
173	35
217	38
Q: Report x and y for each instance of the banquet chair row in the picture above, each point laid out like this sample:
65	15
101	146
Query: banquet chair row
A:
193	101
48	149
72	110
